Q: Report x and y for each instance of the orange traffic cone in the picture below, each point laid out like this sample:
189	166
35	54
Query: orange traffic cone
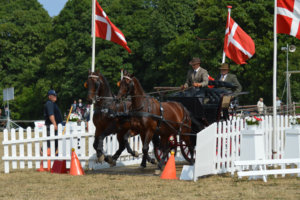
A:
42	169
170	169
75	168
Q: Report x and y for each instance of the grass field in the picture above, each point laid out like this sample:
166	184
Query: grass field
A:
133	183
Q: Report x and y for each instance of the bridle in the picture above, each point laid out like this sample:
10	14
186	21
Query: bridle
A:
97	86
130	85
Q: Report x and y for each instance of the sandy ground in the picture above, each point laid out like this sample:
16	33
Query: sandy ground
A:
134	183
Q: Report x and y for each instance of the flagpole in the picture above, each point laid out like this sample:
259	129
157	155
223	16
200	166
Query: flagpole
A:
93	35
274	147
93	50
228	23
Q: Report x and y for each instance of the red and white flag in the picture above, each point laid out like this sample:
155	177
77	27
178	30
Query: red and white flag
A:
105	29
288	17
238	45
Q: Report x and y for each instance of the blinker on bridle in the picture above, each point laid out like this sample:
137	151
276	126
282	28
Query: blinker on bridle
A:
97	84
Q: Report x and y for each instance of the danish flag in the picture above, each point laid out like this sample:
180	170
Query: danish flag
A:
288	17
238	45
106	30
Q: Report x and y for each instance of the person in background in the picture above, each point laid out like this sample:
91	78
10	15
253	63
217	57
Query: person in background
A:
52	115
197	77
278	104
80	109
74	106
80	105
261	107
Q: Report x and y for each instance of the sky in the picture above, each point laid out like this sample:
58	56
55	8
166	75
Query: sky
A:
53	6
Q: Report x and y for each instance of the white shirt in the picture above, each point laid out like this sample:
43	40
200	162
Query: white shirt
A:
278	103
223	77
260	106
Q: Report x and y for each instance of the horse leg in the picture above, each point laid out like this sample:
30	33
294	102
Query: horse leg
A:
121	146
127	145
98	146
146	156
165	150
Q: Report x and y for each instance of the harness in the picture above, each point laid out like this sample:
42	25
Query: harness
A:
160	119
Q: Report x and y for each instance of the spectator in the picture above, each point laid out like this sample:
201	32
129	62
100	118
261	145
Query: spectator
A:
74	106
261	107
80	105
278	104
80	109
52	115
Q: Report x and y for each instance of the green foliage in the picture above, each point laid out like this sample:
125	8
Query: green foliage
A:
38	53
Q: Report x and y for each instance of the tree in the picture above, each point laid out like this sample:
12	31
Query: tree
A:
24	30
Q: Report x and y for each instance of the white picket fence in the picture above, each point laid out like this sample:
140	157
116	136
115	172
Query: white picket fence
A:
23	148
218	146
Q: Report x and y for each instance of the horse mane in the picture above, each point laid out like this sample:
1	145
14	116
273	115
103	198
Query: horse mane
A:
138	85
106	83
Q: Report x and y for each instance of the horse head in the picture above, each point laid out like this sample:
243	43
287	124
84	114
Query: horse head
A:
92	84
126	85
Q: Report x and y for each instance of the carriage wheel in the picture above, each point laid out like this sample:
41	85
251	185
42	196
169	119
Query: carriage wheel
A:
186	153
173	147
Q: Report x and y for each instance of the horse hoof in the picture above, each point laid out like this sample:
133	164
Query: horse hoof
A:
135	154
109	159
113	163
101	159
157	172
142	166
153	161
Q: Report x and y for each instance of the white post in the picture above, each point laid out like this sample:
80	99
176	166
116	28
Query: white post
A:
287	79
228	23
274	78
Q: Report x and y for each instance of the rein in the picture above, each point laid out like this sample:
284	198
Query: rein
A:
154	116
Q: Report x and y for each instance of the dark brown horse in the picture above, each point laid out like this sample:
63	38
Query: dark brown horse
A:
150	117
105	117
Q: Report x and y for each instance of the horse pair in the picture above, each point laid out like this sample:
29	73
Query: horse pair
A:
109	117
147	116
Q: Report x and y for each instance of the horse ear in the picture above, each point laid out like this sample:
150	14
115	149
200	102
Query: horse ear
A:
132	75
89	71
85	85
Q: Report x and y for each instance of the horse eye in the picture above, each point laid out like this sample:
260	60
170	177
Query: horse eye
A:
85	85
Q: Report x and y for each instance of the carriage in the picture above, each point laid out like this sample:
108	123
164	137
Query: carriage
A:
181	113
205	105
